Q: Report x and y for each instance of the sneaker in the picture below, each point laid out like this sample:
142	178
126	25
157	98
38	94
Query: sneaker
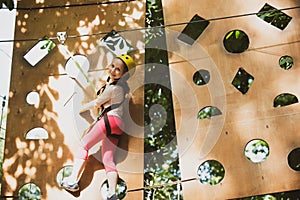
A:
113	197
73	187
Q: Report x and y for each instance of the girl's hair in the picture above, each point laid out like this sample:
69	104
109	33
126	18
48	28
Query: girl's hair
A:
123	83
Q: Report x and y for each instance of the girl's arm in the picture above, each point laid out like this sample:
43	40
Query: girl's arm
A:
101	99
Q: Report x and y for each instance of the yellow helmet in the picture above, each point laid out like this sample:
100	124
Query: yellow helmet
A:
128	61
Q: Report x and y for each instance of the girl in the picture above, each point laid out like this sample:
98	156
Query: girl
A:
108	127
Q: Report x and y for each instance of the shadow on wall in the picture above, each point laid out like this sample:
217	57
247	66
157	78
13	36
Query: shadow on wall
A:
38	161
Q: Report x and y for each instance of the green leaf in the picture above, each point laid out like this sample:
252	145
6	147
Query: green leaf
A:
228	35
237	34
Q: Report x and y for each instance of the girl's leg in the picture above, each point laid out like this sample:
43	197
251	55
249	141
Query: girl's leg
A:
112	178
108	151
78	168
94	136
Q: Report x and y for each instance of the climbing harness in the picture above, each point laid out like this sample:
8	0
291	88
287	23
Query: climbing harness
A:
104	111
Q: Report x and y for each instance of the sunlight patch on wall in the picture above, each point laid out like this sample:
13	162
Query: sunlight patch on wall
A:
87	27
11	181
39	1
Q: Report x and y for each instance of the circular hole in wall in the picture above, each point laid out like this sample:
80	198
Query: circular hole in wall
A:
286	62
76	65
208	112
211	172
257	150
236	41
29	191
294	159
120	190
37	133
201	77
33	98
63	173
284	99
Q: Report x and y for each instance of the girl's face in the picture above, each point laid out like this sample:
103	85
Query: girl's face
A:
116	69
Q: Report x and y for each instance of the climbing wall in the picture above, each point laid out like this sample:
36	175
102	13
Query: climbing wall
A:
43	125
217	115
242	116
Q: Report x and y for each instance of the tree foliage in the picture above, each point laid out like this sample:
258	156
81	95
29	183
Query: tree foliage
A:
160	144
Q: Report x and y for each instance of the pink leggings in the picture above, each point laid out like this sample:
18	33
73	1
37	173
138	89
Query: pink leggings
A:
98	133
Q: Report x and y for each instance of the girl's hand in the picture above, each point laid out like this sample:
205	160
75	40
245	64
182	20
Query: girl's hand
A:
95	112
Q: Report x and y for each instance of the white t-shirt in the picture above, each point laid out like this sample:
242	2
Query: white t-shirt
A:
112	94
